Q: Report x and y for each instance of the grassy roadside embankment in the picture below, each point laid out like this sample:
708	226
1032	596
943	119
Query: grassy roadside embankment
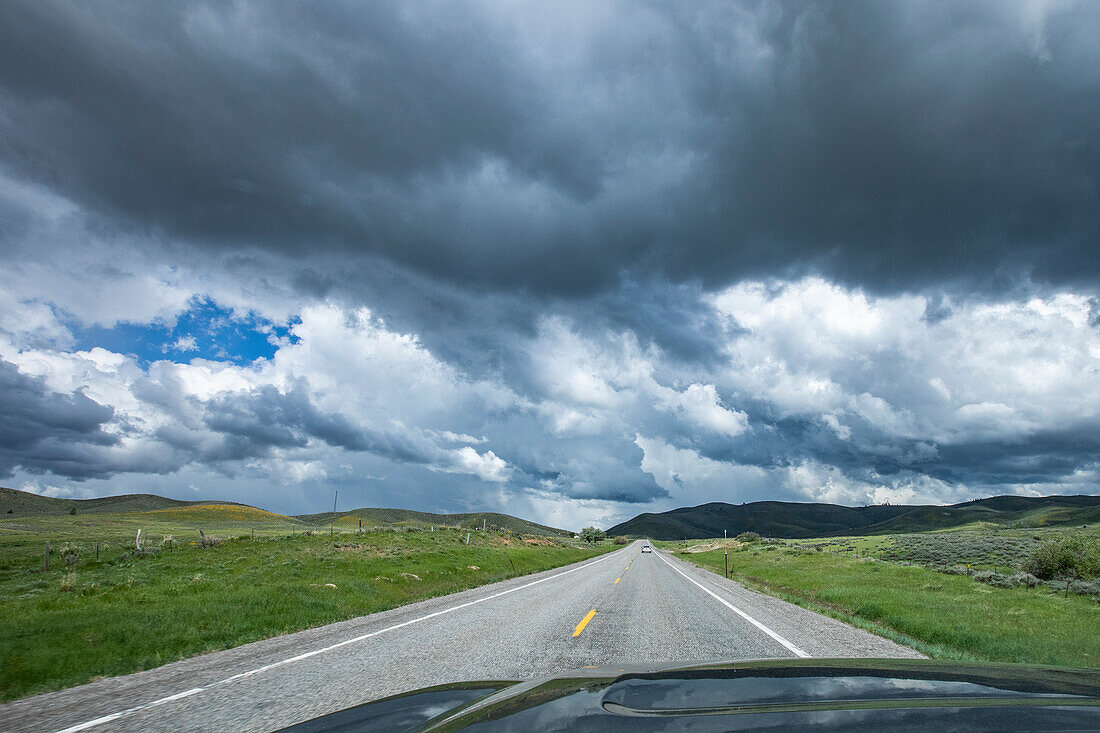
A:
941	615
131	610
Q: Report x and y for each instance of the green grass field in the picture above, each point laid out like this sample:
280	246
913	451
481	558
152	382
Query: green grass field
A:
130	610
180	523
945	616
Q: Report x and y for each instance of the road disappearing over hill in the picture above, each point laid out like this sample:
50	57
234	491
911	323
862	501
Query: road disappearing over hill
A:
623	608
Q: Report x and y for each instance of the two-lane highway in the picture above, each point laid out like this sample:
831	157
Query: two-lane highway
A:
626	607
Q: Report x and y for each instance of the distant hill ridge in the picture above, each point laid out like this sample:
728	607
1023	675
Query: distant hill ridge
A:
27	504
377	516
794	519
15	503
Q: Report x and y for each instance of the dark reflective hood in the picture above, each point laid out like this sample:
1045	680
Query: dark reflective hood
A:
406	712
765	690
808	694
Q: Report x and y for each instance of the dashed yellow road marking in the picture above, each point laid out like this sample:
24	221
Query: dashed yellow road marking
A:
617	579
584	622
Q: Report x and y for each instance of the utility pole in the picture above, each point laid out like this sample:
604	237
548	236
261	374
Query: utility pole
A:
726	550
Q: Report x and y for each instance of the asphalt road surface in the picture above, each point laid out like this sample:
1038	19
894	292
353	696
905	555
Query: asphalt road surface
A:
626	607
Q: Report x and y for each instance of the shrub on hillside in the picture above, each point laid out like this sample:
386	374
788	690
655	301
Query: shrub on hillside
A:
1065	557
592	534
1025	579
748	537
1086	588
620	540
208	540
1006	580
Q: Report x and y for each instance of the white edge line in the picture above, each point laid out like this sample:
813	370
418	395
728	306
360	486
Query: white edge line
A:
795	650
99	721
194	691
129	711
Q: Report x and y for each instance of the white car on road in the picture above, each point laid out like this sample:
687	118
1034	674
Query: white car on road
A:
647	548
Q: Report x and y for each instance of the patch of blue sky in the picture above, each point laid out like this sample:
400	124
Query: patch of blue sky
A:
205	330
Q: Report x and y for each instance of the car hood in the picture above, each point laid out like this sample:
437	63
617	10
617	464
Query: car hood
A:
810	694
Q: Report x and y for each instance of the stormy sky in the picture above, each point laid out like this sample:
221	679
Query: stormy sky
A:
572	261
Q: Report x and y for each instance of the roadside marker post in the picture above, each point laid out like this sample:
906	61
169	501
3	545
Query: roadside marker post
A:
47	556
726	550
332	527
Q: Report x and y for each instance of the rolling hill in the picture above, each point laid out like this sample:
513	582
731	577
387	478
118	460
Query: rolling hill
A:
15	504
375	516
794	520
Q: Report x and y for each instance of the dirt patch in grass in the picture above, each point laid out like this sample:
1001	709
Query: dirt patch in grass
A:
710	546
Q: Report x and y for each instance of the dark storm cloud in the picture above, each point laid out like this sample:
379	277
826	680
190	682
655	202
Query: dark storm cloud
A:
162	117
253	423
782	442
922	142
1045	457
554	147
547	200
42	430
669	316
1049	455
606	468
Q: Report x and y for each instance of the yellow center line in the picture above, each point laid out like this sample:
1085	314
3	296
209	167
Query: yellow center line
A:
584	622
617	579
